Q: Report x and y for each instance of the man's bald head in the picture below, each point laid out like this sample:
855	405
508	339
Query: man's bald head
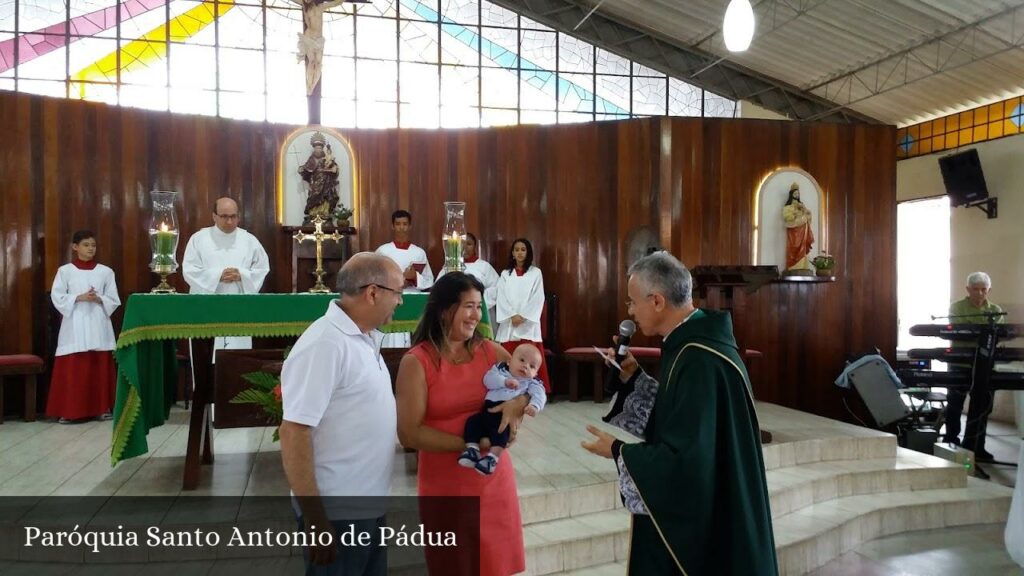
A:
225	214
367	268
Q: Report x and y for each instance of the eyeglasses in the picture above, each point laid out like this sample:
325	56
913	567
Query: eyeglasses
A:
630	303
381	287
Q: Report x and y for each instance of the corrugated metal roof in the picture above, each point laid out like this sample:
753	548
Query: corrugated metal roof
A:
900	61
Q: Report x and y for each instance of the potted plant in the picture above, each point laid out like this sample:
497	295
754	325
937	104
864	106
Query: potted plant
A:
265	392
825	264
342	216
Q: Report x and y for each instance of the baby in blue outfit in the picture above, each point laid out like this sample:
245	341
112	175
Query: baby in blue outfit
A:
504	381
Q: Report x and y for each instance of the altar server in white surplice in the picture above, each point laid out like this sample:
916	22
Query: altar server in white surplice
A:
519	304
412	260
482	271
85	294
225	259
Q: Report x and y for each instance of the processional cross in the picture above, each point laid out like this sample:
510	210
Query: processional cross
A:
318	236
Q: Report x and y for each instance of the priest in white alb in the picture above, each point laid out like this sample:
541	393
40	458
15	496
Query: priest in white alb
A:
225	259
412	260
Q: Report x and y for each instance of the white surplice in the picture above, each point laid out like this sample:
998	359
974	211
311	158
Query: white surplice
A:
522	295
406	257
209	252
86	325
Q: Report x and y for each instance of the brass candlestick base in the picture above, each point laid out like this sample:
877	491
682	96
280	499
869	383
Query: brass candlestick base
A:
319	287
163	287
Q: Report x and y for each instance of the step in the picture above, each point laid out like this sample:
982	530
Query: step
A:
569	503
797	487
781	453
576	543
812	536
610	569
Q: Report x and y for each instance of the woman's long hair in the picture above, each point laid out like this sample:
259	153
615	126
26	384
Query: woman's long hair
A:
444	296
512	257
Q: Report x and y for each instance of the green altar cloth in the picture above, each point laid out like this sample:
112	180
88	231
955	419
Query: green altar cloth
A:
146	358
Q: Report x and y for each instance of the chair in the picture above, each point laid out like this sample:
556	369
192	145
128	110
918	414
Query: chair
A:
28	366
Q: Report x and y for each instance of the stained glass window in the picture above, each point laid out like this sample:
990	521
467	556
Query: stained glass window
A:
415	63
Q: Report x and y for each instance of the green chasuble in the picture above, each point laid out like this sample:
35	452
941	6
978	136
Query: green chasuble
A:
700	471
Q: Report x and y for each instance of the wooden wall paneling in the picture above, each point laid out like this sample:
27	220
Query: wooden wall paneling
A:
575	190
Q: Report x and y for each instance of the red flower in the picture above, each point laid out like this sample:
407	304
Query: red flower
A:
277	392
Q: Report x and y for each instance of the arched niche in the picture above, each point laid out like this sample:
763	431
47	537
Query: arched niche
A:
770	230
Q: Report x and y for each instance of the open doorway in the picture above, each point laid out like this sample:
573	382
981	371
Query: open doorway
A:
922	267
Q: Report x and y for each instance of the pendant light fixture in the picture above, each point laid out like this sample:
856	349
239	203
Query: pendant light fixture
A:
738	28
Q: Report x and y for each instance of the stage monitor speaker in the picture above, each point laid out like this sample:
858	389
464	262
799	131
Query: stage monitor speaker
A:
879	392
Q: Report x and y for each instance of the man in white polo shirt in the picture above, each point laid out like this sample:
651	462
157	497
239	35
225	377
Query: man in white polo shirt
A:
339	432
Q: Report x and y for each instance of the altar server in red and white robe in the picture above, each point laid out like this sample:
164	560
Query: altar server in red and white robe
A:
85	293
519	302
412	260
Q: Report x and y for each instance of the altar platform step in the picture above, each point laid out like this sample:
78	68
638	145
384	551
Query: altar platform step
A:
898	495
832	485
813	536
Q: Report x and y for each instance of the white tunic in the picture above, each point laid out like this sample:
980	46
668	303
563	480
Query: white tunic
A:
209	252
406	257
86	325
522	295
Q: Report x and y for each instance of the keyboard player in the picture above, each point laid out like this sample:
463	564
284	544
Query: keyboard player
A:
970	310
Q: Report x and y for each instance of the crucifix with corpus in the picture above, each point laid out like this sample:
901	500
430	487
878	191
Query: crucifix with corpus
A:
311	47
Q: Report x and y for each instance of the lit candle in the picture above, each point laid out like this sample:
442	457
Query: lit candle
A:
164	241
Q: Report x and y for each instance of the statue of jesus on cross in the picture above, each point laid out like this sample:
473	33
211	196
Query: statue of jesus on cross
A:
311	41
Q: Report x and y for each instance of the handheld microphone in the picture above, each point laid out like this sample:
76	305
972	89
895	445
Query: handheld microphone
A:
626	330
612	385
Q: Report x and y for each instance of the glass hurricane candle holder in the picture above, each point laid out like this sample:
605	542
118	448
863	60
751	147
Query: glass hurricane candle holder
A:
163	239
454	236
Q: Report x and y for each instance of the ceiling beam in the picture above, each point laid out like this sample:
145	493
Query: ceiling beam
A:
937	54
684	62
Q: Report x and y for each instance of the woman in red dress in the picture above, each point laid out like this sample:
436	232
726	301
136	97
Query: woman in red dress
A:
439	386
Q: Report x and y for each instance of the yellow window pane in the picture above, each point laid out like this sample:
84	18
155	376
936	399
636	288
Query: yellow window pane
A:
926	130
966	119
1010	128
995	111
938	126
952	123
951	140
995	129
980	133
966	136
900	133
925	147
914	131
938	143
981	116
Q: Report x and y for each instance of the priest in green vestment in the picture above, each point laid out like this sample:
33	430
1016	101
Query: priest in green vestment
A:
696	484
